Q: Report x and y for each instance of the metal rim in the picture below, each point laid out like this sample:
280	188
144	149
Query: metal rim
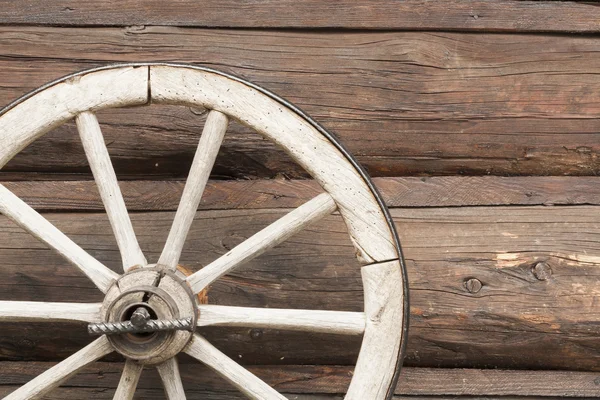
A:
329	135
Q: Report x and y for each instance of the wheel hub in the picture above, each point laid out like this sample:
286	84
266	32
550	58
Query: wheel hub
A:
150	314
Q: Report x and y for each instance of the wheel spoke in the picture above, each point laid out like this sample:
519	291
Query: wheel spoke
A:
40	311
44	383
26	217
129	380
269	237
106	179
245	381
171	379
206	154
336	322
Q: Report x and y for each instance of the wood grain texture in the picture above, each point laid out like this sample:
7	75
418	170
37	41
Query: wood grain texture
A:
300	139
472	15
171	379
327	381
404	103
108	187
276	233
239	377
53	377
202	165
21	214
28	120
16	311
450	191
158	394
375	371
334	322
522	316
130	377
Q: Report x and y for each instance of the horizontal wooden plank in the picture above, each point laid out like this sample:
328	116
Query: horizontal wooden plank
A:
158	394
298	380
69	393
510	287
404	103
472	15
449	191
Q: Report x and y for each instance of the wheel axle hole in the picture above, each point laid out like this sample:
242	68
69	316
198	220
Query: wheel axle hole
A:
141	336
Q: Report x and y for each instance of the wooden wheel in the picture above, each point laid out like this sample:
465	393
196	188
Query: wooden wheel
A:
150	312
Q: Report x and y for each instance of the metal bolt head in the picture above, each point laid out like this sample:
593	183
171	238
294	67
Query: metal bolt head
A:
542	271
140	317
473	285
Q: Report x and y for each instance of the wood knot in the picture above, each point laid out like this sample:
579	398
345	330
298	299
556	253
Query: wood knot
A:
256	334
473	285
542	271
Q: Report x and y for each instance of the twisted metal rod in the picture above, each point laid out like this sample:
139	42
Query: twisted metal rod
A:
153	325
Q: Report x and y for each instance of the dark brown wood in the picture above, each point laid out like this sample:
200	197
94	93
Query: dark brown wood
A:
404	103
103	393
472	15
515	320
450	191
298	380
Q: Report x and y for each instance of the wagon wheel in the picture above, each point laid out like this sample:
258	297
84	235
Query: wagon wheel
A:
150	312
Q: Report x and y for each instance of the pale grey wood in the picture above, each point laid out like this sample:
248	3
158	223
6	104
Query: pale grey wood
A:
129	380
204	159
171	379
244	380
40	311
115	87
335	322
108	186
269	237
44	383
26	217
364	218
376	364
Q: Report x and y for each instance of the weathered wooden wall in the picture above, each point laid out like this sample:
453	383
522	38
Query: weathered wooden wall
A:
480	120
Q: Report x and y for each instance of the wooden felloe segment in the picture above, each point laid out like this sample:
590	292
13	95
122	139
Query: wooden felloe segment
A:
472	15
383	308
302	141
404	103
37	115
